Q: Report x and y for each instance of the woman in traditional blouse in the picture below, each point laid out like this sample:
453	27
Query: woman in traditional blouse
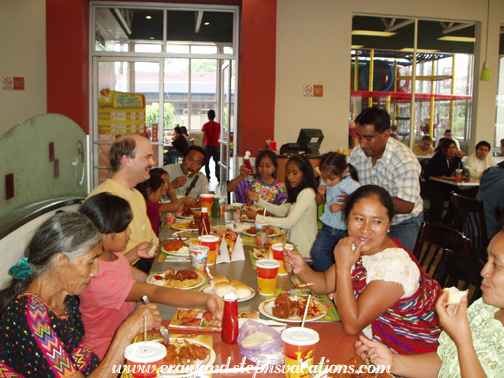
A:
42	332
378	286
472	342
481	160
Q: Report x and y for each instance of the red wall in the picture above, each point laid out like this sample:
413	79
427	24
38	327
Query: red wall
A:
67	33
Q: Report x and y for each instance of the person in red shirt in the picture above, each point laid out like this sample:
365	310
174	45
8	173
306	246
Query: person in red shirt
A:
211	132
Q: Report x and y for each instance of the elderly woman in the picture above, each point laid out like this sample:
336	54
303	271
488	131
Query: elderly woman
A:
378	286
42	332
472	339
481	160
443	163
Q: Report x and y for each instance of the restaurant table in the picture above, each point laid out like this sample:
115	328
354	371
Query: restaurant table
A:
334	345
451	181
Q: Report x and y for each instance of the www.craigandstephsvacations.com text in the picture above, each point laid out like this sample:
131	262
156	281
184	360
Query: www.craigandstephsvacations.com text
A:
255	369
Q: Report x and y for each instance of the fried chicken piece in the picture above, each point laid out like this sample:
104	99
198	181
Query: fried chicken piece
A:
282	307
174	245
187	212
185	355
186	274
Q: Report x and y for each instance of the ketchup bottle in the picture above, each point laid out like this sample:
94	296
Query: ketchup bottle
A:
246	161
229	332
204	226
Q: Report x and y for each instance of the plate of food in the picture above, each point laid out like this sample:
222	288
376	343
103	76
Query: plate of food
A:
176	247
260	254
221	286
272	232
185	226
287	308
190	213
184	279
184	352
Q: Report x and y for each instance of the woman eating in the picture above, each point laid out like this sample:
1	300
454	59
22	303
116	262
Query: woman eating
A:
378	286
471	344
481	160
42	331
299	212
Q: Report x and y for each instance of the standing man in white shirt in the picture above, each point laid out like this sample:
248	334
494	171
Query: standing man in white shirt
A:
386	162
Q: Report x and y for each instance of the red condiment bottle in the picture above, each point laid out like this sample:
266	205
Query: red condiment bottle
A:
229	332
246	161
204	226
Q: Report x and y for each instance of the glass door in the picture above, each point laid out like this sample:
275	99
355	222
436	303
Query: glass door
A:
135	75
228	122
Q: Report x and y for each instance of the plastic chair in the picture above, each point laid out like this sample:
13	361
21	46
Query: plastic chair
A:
433	240
470	219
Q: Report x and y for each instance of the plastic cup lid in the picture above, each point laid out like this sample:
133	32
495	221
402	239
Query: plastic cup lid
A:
208	238
206	195
199	248
268	264
300	336
145	352
280	246
262	223
237	204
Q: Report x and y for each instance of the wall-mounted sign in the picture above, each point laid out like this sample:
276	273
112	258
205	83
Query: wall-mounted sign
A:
13	83
313	90
121	112
307	90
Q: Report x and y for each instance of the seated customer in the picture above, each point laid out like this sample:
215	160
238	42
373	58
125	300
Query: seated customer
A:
472	338
264	183
481	160
113	294
378	285
443	163
490	192
42	331
425	146
180	145
186	178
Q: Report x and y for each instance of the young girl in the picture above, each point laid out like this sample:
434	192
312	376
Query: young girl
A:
152	190
163	175
264	184
299	211
113	295
336	182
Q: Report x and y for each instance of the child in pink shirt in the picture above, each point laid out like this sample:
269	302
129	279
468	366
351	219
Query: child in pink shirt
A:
113	294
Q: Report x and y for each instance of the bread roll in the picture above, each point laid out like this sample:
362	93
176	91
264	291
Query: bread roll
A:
255	339
454	295
223	288
155	243
218	279
234	282
242	291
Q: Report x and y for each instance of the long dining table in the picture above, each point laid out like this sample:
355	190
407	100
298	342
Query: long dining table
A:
334	347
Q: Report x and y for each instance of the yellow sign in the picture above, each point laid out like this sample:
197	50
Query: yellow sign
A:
121	113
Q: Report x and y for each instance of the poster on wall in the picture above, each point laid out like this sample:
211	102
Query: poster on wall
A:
121	113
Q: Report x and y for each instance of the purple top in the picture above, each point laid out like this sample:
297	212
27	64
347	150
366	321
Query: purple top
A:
273	193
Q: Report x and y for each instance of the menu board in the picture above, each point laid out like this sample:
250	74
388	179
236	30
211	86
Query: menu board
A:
121	113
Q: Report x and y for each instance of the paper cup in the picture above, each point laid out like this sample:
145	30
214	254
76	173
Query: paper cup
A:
278	255
236	210
145	359
458	175
199	256
206	201
261	234
299	350
267	271
181	208
212	242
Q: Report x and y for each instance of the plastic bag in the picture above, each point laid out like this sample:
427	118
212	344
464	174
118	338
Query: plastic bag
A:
268	353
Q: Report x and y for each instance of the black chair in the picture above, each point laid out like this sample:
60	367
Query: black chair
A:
433	240
444	254
470	219
499	215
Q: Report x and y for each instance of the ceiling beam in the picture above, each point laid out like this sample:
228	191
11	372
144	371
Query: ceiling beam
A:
199	18
399	25
456	27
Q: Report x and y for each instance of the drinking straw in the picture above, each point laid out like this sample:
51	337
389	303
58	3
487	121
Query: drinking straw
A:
305	313
145	333
264	213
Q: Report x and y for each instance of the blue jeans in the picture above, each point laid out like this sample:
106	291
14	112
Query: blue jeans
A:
407	231
323	247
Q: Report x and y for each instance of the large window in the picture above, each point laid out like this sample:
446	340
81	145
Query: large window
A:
436	81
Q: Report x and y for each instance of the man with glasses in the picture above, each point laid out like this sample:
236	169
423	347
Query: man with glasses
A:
188	181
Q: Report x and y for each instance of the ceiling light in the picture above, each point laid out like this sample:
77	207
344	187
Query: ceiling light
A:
151	37
373	33
148	17
355	47
410	49
457	39
207	23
